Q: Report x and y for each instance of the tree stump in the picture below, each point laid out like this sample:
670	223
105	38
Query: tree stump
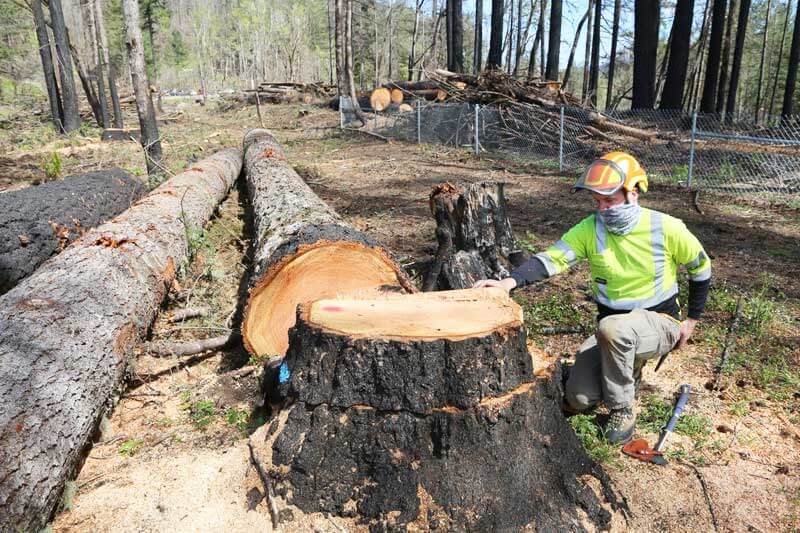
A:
474	235
303	250
423	411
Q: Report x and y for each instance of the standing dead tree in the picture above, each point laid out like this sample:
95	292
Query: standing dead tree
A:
73	324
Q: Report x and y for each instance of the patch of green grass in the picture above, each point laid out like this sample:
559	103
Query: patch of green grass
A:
739	408
557	310
239	418
656	412
51	165
201	413
527	242
592	438
130	447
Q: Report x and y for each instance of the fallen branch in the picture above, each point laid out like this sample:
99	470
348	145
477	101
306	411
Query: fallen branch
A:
730	338
273	507
703	485
187	313
165	349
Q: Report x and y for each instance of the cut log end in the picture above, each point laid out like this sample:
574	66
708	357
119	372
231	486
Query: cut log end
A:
380	98
450	315
321	270
397	96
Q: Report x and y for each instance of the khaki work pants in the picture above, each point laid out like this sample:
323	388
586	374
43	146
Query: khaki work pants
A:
604	366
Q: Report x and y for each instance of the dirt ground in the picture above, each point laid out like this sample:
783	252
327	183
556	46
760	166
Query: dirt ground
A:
173	454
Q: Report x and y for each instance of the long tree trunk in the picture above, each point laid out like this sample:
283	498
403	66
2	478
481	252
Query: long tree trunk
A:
495	59
521	38
741	28
791	73
662	69
708	102
762	65
587	52
412	54
303	250
96	61
477	51
73	325
508	47
542	54
38	222
554	44
612	62
455	38
88	86
594	69
69	96
570	60
537	40
102	40
47	65
141	88
726	55
348	61
672	95
645	52
780	57
697	69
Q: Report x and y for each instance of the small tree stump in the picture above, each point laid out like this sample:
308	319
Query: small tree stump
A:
474	236
423	411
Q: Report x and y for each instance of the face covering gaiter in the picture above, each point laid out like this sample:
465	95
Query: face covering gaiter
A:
621	219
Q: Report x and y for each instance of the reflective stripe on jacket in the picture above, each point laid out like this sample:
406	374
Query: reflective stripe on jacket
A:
637	270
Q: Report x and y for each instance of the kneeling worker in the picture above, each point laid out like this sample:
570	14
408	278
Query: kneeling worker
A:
633	255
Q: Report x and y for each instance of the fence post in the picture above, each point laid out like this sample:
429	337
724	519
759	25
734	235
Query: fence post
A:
477	140
341	112
419	122
691	151
561	142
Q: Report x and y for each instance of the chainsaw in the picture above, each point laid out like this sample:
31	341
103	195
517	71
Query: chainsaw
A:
640	449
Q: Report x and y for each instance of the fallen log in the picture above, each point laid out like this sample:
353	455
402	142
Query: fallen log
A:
410	410
40	221
380	99
604	123
179	348
67	331
302	251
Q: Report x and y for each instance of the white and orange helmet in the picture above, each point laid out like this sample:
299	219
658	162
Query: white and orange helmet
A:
612	172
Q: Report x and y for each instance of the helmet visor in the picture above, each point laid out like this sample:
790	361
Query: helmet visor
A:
603	177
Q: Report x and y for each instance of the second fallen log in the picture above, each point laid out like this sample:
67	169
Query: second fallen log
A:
303	250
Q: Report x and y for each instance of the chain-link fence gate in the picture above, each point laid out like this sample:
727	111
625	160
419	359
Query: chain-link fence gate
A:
702	151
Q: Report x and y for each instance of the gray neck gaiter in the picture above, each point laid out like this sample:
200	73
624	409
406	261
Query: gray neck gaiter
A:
621	219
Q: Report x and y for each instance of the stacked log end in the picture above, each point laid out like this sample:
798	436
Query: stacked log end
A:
422	411
303	250
39	221
66	333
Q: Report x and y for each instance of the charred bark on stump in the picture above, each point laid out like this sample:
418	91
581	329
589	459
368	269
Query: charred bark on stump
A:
474	235
67	331
293	225
40	221
430	432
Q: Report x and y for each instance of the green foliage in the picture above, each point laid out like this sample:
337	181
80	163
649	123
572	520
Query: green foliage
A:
238	418
527	242
130	447
557	310
201	413
51	165
656	412
592	438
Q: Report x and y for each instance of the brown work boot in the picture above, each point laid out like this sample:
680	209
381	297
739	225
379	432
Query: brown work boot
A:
620	425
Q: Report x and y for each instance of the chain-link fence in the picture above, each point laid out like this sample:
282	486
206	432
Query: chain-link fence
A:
709	151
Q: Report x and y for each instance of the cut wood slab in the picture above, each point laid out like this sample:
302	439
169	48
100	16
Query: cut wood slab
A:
67	331
303	250
40	221
402	417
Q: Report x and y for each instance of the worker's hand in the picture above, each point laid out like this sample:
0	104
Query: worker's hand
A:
687	328
506	284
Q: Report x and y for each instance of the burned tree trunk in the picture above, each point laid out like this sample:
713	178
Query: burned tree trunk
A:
303	250
38	222
67	331
423	411
474	235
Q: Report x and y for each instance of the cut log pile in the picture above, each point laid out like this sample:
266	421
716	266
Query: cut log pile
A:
67	331
42	220
302	249
289	92
422	411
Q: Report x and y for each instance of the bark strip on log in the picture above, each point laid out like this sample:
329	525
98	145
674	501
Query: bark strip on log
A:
474	235
399	428
39	221
66	333
303	250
